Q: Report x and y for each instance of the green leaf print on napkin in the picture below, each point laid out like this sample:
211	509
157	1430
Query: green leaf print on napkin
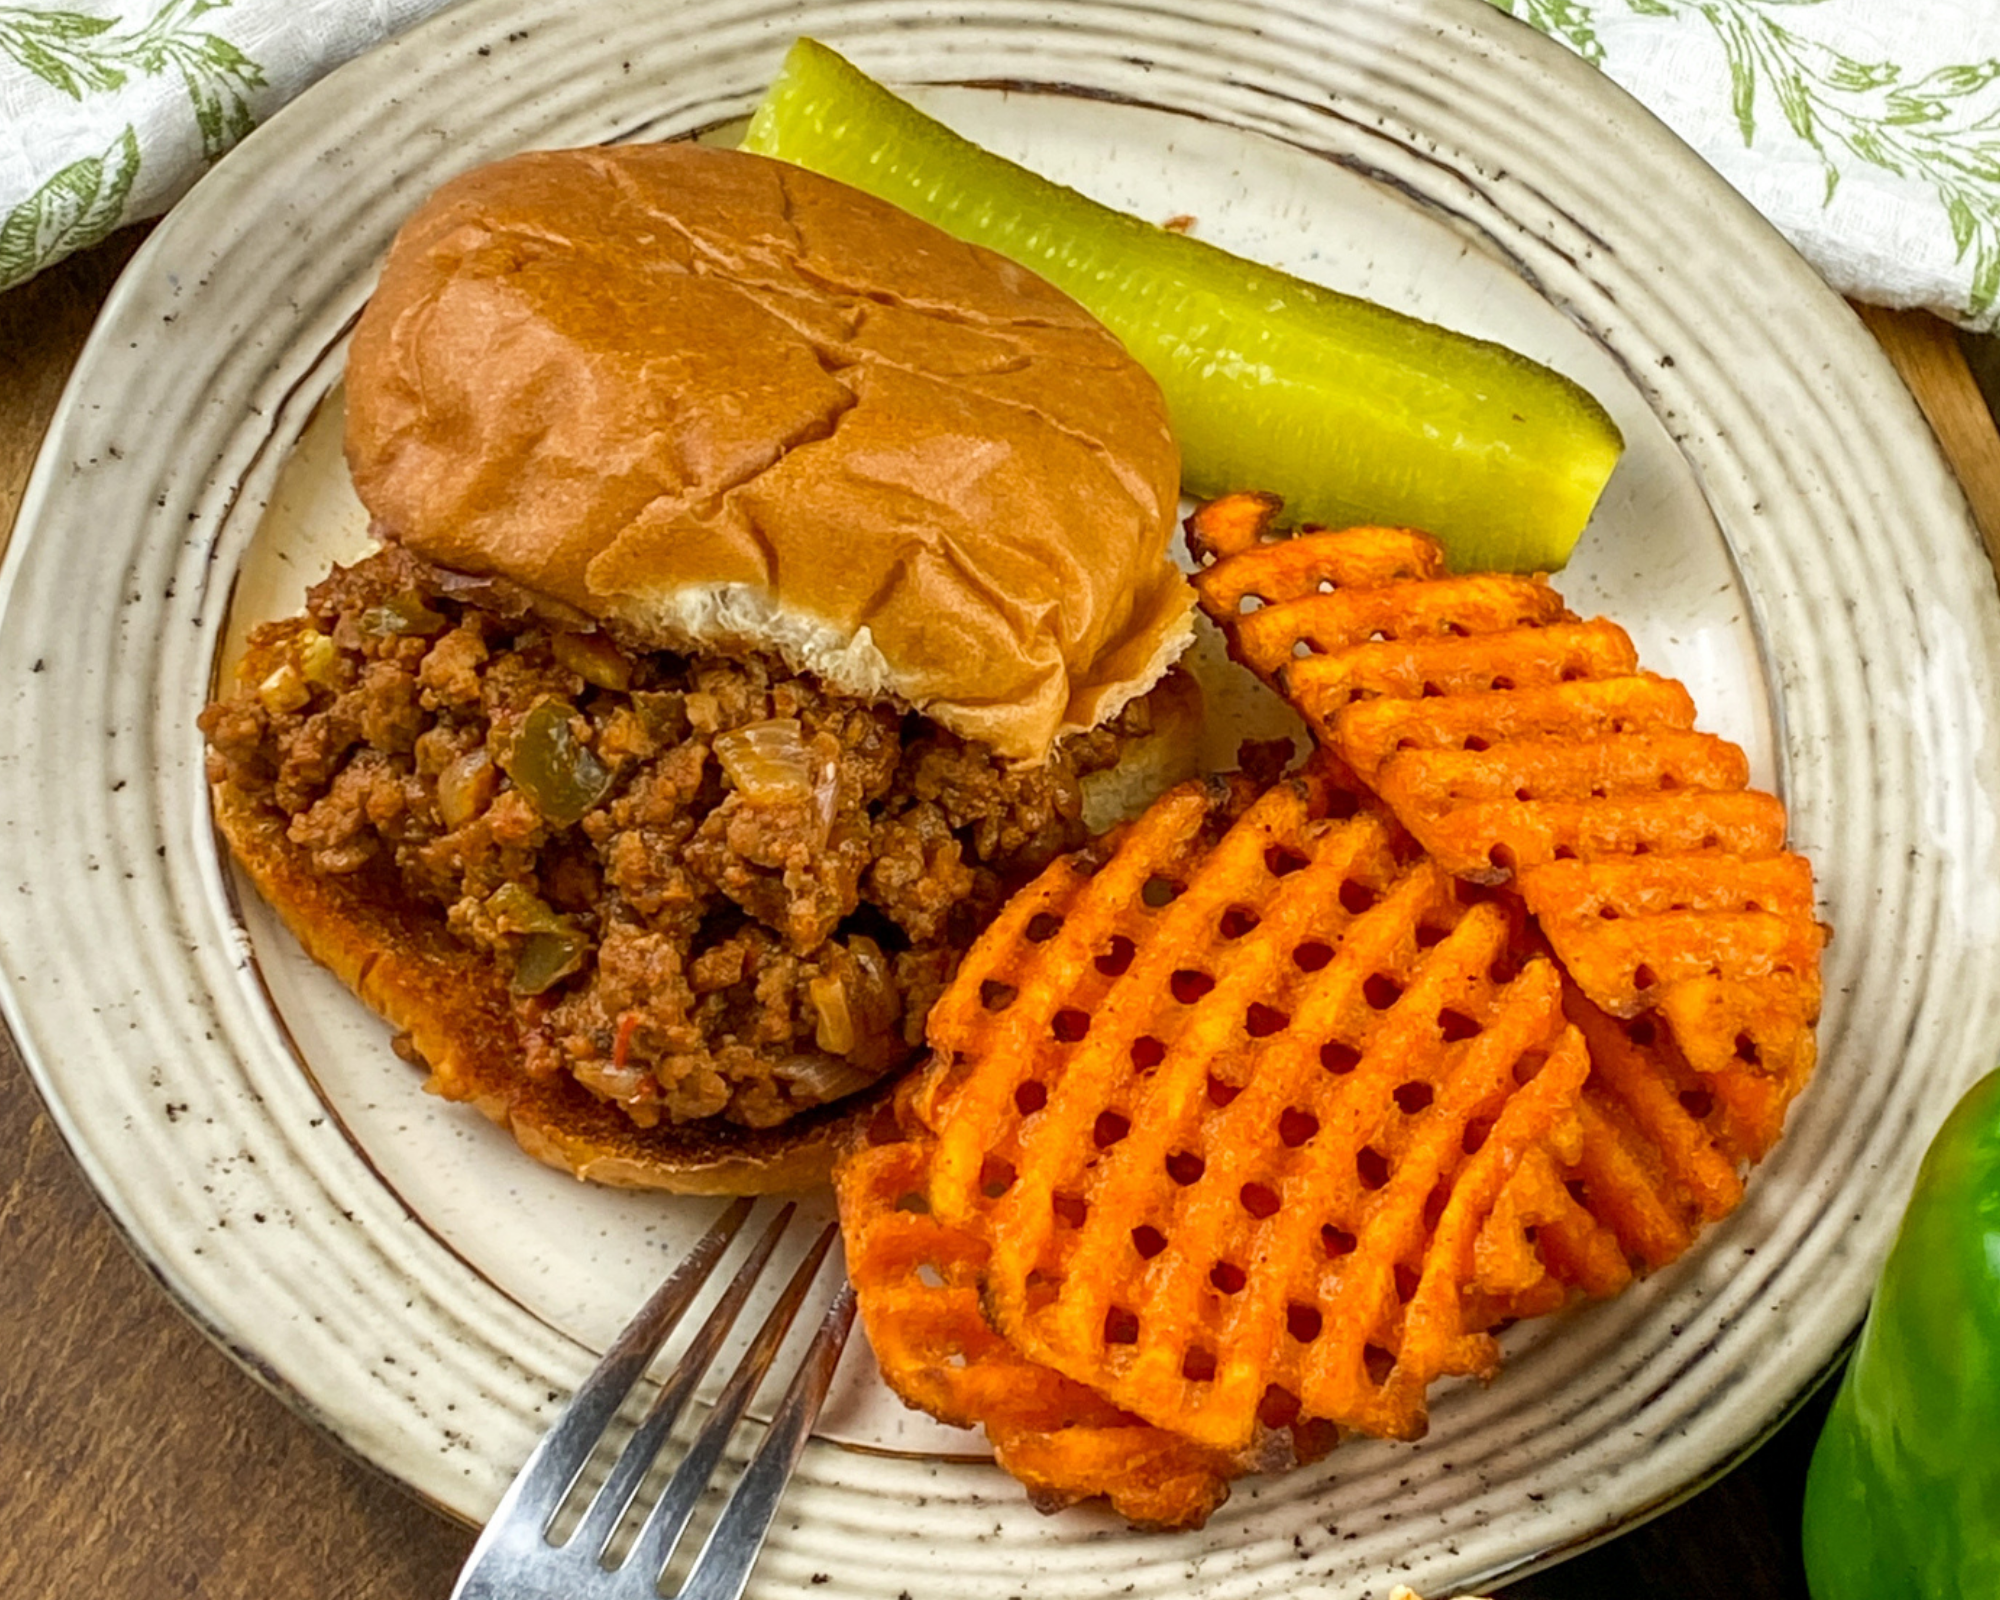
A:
1943	130
73	210
216	74
55	47
1563	19
77	53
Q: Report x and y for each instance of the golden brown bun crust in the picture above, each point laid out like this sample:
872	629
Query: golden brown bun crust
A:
706	396
454	1007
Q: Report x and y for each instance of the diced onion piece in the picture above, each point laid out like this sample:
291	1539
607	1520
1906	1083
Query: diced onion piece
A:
873	965
593	658
402	613
817	1079
835	1032
563	778
704	711
284	690
767	761
466	787
826	795
318	660
634	1087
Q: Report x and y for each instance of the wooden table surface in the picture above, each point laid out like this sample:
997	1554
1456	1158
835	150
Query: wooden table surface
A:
137	1460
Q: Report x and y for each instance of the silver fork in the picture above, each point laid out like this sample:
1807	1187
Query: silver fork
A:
515	1558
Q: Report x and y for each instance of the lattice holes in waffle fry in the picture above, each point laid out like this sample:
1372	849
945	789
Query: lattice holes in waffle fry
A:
1625	927
917	1286
1371	733
1531	751
1257	1117
1317	559
1412	669
1240	1179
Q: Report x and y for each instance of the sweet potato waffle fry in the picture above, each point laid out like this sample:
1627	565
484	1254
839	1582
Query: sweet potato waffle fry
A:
917	1284
1223	1250
1250	1122
1560	652
1523	747
1371	733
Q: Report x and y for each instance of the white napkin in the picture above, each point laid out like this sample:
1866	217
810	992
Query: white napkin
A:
1868	131
110	109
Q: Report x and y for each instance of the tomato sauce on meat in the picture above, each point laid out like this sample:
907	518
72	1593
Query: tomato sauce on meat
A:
718	888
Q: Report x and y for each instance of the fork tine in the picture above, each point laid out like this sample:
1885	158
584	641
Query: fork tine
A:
722	1570
607	1509
552	1468
669	1517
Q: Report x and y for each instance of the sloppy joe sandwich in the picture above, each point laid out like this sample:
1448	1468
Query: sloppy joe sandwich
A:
766	580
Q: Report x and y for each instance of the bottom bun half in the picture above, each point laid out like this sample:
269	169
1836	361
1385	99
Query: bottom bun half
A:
454	1010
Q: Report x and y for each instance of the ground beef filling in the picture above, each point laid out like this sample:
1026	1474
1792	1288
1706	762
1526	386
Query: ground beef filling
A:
716	888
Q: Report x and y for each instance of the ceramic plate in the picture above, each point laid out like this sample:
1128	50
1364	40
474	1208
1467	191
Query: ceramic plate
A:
1782	535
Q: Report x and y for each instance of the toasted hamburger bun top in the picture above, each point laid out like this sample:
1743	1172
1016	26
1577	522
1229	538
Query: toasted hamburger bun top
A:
709	398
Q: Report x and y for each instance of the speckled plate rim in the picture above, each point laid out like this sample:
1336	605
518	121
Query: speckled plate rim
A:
1877	608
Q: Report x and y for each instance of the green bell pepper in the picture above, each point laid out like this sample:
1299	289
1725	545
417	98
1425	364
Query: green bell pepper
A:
1903	1497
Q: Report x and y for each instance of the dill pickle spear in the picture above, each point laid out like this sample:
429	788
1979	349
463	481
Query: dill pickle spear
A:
1354	413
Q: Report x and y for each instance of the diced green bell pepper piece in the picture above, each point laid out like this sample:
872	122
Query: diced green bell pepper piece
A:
562	777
